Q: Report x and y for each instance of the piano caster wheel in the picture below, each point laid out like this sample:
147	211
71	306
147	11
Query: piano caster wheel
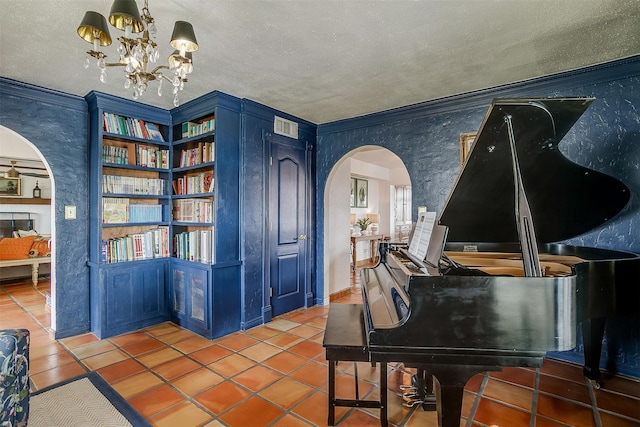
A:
595	384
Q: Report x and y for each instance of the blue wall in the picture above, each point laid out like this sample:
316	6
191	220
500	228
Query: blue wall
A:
57	124
258	119
426	137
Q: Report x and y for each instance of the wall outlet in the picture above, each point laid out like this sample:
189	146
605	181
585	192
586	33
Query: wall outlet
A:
69	212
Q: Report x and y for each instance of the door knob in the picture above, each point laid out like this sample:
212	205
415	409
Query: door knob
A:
302	237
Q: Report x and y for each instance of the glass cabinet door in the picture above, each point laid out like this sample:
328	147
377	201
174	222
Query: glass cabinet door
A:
191	297
179	292
197	289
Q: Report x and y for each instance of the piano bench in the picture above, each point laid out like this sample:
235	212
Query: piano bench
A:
344	341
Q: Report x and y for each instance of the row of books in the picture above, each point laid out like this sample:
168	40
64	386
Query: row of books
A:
120	211
145	213
190	129
193	210
203	153
133	247
195	246
142	155
129	126
194	183
115	184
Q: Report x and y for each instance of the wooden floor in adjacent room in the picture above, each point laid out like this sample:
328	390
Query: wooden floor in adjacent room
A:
276	375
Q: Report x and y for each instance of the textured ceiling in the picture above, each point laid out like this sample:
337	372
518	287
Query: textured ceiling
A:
325	60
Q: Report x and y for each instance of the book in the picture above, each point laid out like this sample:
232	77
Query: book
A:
154	132
104	251
115	210
191	129
208	182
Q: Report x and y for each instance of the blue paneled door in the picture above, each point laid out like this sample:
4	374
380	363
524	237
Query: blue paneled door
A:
287	226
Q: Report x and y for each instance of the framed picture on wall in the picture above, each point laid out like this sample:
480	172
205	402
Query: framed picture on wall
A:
362	193
10	187
466	142
353	192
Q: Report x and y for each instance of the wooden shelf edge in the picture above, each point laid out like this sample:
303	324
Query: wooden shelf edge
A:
23	201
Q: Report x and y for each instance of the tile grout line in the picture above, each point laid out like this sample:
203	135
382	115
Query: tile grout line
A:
594	403
534	398
169	383
164	381
28	312
32	385
256	394
226	378
476	402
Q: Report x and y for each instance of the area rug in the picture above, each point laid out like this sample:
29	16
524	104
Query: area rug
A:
87	400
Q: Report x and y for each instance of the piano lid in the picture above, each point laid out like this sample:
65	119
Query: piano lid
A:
565	199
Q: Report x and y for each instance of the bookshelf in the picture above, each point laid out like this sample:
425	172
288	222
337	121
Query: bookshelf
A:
130	218
205	266
134	195
193	187
164	217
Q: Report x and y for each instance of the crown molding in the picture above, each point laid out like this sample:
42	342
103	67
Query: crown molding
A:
38	93
601	73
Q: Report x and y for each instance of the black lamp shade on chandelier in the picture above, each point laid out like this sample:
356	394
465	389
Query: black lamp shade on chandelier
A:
137	53
183	37
124	13
94	27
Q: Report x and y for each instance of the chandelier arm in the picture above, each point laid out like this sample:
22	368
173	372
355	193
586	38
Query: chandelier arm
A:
159	67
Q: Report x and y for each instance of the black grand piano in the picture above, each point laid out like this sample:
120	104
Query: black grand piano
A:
503	293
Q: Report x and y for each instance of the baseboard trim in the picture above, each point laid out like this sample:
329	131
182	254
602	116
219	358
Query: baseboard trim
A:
340	294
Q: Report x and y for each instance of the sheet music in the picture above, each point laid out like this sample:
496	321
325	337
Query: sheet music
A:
422	235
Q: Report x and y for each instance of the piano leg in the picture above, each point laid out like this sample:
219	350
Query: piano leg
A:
450	382
592	336
383	395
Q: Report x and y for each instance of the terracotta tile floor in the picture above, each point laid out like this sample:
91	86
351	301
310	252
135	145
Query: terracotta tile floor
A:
276	375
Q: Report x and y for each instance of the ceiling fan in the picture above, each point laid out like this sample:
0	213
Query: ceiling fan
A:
14	173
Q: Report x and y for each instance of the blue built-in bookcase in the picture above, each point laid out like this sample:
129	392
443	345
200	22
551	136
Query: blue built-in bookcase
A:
129	214
178	257
205	275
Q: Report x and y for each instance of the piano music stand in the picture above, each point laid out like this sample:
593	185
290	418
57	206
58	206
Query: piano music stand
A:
344	340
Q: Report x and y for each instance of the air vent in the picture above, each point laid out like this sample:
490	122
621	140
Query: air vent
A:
285	127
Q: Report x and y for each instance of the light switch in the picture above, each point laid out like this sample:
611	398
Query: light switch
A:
69	212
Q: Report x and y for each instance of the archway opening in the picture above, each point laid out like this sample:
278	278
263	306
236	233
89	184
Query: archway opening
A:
33	170
368	182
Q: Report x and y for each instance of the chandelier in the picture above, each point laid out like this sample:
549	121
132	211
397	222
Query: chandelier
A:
139	55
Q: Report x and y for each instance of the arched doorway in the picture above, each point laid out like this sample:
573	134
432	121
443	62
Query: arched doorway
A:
383	173
30	162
